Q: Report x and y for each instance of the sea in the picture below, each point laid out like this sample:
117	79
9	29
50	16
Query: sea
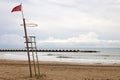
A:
103	56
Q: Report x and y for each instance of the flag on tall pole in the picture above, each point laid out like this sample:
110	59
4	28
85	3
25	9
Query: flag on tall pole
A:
19	8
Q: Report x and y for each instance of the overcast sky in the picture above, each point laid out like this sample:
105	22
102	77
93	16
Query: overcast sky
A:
62	23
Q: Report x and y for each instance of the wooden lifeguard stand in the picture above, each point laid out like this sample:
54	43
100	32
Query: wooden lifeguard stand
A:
33	51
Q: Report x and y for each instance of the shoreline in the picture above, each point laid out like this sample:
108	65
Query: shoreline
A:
18	70
65	62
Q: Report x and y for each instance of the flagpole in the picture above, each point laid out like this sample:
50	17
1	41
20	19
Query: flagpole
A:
22	11
25	31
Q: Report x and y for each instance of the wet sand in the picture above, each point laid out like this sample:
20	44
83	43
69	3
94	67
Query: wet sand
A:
19	70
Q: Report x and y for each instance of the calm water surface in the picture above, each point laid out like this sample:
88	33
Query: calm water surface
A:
105	56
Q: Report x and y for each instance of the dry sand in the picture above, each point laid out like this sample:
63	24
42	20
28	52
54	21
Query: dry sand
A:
19	70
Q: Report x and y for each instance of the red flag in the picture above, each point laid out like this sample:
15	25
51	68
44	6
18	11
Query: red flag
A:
17	8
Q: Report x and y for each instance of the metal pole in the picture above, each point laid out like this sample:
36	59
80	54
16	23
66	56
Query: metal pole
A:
27	47
37	57
25	30
32	48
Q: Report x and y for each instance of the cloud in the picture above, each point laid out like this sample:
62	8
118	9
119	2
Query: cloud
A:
82	40
94	14
65	21
11	40
89	39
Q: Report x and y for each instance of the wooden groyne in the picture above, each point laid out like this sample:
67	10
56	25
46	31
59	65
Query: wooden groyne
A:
47	50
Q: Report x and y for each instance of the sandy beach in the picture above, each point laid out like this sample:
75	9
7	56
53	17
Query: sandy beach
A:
19	70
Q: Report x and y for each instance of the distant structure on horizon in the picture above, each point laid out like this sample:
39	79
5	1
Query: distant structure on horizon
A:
47	50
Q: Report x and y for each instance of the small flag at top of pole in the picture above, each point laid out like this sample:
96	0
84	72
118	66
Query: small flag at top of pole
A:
17	8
